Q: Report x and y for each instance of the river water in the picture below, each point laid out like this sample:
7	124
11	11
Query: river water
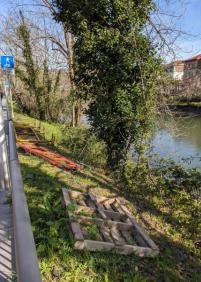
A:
179	138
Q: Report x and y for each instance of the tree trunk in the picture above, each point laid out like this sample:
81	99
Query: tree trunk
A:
70	41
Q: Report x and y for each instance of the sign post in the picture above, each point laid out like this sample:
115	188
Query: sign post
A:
7	66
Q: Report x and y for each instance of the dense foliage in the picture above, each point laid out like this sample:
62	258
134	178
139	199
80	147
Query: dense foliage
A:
116	70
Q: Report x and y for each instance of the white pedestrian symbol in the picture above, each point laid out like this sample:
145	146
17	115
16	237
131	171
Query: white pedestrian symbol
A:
7	61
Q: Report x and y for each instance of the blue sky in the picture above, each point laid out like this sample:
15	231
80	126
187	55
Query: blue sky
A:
187	18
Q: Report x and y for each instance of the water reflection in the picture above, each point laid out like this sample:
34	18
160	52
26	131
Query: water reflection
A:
179	139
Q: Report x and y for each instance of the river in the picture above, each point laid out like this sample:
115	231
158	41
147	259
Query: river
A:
179	138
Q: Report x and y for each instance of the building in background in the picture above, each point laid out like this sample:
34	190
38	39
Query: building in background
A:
192	67
176	70
184	69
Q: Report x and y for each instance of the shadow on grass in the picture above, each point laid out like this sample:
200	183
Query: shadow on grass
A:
102	183
175	262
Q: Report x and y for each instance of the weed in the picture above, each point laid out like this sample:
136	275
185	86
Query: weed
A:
83	213
71	207
91	230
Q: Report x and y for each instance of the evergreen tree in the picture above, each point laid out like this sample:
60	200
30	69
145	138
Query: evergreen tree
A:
116	70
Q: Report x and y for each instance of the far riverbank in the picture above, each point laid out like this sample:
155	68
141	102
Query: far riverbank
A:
187	108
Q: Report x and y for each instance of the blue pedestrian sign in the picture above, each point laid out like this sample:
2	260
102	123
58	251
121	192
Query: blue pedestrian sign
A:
7	62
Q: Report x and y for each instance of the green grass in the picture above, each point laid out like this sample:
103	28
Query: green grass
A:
43	186
169	216
46	128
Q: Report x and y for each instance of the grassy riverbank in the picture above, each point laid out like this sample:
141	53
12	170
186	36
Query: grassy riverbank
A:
162	201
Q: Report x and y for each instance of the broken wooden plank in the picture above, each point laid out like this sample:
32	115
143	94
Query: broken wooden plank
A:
92	197
102	213
77	232
106	233
118	239
140	251
143	234
99	207
76	194
106	204
115	215
66	197
94	245
101	200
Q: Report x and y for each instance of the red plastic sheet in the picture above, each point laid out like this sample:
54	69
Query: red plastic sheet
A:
50	156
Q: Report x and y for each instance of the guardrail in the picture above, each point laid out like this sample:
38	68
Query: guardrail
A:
27	268
25	251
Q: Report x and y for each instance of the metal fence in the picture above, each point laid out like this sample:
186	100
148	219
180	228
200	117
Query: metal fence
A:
27	268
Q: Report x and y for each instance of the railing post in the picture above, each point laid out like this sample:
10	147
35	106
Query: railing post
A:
4	163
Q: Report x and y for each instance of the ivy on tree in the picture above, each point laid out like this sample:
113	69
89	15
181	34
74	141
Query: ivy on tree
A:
37	81
116	70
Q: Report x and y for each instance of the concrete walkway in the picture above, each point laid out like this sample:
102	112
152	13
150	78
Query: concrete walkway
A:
7	269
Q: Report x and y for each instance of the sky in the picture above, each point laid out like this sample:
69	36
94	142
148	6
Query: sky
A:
186	17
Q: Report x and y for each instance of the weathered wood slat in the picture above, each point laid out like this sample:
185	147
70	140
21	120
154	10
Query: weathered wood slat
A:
117	207
143	234
140	251
115	215
102	213
92	197
77	232
129	239
75	227
102	200
106	233
66	197
82	203
138	238
99	207
76	194
94	245
118	239
110	223
106	204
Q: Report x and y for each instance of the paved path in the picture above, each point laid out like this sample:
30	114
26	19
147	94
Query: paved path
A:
7	272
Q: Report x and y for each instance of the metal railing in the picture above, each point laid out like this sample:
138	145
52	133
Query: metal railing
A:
26	261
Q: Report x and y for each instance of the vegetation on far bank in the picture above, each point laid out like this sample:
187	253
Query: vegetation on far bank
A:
165	200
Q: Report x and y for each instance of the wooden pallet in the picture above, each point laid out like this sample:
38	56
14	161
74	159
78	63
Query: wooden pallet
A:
103	224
